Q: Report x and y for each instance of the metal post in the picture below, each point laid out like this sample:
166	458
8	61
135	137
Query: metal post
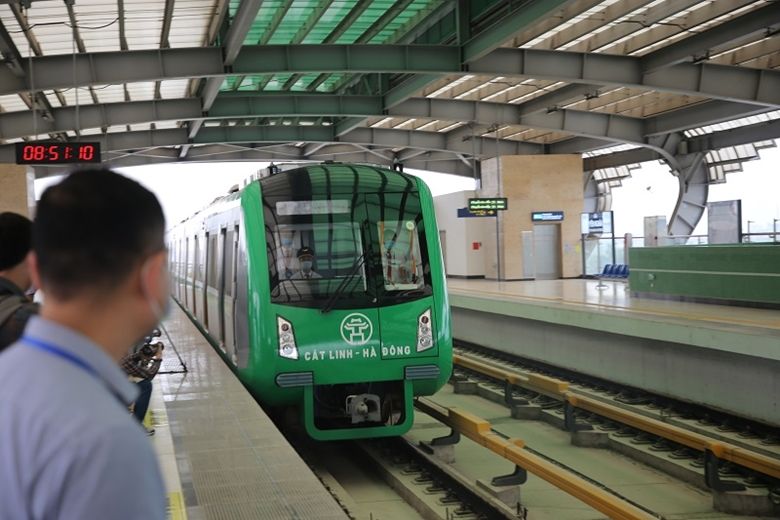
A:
614	257
774	229
747	239
500	190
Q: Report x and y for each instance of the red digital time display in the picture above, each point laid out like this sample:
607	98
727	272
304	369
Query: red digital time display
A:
57	153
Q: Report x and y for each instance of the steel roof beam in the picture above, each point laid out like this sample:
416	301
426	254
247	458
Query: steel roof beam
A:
520	19
578	145
558	97
734	137
451	166
435	141
20	123
603	126
701	114
732	83
698	144
478	46
234	40
432	143
357	10
613	160
699	45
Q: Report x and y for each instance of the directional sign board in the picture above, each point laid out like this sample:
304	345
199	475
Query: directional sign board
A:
488	204
547	216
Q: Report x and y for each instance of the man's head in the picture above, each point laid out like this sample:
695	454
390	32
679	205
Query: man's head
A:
98	235
15	245
306	258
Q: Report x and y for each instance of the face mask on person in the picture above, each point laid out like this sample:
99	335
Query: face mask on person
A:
306	265
287	242
159	310
389	244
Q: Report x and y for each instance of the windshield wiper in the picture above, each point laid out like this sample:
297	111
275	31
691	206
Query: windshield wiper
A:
340	289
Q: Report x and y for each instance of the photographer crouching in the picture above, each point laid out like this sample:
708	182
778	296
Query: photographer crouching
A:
141	364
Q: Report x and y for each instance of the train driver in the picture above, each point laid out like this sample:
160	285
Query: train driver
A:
305	265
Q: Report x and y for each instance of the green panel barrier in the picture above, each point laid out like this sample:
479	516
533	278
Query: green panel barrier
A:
747	273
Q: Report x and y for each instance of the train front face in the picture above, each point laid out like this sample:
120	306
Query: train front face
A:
357	322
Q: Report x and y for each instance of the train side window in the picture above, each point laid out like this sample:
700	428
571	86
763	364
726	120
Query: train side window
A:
211	263
229	252
187	261
198	264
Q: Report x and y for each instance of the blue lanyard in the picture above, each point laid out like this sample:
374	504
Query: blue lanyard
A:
57	351
70	358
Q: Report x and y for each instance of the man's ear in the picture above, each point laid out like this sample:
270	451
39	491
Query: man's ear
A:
151	272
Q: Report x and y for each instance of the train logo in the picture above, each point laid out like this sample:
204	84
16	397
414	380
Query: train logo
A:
356	329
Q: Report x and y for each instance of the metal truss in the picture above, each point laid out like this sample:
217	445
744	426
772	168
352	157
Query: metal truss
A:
731	83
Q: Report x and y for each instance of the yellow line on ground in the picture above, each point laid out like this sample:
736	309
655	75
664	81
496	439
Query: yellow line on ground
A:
176	509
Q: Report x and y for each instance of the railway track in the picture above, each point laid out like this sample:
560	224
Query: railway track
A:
708	449
393	478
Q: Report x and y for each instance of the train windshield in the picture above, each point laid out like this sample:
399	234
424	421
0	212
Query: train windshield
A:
367	250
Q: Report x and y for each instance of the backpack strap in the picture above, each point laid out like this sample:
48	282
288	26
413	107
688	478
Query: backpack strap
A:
9	304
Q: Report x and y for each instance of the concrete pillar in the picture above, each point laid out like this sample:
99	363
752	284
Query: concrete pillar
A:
533	183
17	190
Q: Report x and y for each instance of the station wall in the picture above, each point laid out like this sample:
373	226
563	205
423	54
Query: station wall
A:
462	237
17	189
533	183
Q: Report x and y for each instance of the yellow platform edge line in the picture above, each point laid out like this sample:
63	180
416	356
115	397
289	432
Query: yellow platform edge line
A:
176	509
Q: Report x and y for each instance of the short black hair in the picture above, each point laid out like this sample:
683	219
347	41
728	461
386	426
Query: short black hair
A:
15	239
92	229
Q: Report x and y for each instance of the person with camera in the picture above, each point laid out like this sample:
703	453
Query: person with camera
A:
141	364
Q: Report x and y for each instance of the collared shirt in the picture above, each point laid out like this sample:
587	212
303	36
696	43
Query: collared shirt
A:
68	445
12	327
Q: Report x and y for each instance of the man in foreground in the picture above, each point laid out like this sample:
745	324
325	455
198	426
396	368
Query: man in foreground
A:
69	447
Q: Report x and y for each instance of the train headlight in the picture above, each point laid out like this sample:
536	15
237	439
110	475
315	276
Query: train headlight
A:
287	347
424	331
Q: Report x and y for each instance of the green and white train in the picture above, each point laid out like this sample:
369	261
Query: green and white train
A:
324	288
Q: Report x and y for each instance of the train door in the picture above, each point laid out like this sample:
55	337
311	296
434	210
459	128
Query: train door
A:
202	299
227	310
177	266
195	275
221	288
212	287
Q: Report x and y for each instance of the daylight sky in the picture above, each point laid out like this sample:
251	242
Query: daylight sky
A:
183	189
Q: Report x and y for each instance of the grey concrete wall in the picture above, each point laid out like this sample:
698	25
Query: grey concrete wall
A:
738	384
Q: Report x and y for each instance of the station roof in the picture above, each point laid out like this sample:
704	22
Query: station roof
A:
432	83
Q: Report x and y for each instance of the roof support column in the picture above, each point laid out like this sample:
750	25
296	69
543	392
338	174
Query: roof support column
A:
692	196
692	177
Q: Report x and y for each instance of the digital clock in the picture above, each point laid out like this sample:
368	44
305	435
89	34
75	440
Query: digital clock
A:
57	153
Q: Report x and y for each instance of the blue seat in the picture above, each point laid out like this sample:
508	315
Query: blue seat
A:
620	271
627	271
607	270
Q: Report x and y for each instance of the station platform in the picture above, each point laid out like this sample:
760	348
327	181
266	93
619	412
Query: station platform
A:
220	454
719	356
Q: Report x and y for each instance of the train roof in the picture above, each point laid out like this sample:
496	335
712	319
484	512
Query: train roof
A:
337	178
